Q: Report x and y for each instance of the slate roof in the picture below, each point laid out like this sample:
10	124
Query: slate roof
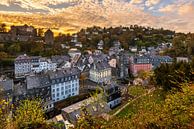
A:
6	85
99	57
37	81
87	106
43	80
83	60
149	59
100	65
60	59
63	73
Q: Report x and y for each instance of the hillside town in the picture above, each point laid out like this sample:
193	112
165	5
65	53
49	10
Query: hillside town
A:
58	78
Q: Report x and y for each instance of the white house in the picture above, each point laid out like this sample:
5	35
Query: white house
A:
24	65
65	83
100	72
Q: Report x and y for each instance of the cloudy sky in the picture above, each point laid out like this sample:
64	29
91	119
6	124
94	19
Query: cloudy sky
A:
72	15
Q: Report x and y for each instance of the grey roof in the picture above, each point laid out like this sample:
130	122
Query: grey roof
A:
6	85
100	65
37	81
83	60
60	59
90	105
43	80
100	57
22	57
151	59
63	73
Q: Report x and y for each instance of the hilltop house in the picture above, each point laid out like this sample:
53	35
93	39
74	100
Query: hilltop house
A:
23	33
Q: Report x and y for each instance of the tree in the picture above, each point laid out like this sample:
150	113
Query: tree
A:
3	55
37	48
14	48
176	111
2	27
29	114
5	117
170	76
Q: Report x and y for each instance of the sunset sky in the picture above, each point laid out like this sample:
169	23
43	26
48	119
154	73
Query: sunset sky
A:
72	15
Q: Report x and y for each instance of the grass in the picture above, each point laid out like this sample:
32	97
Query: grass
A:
141	103
137	90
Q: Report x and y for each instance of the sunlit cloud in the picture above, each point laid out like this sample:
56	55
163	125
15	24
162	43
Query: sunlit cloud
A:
77	14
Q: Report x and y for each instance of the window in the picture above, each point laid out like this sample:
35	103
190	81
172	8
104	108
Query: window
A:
69	90
66	92
53	90
53	95
57	89
57	94
62	93
76	89
73	90
72	85
62	88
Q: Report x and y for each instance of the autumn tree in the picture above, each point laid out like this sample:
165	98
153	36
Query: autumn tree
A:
29	114
176	111
14	48
2	27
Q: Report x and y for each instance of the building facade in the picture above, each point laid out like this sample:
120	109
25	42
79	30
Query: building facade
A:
113	94
39	86
100	72
6	89
24	65
139	63
23	33
64	83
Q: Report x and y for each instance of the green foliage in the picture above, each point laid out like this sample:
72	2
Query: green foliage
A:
5	118
3	27
29	114
141	103
136	90
174	112
14	48
170	76
157	110
183	45
3	55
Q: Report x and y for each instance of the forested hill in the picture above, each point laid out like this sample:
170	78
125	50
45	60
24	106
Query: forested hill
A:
128	36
